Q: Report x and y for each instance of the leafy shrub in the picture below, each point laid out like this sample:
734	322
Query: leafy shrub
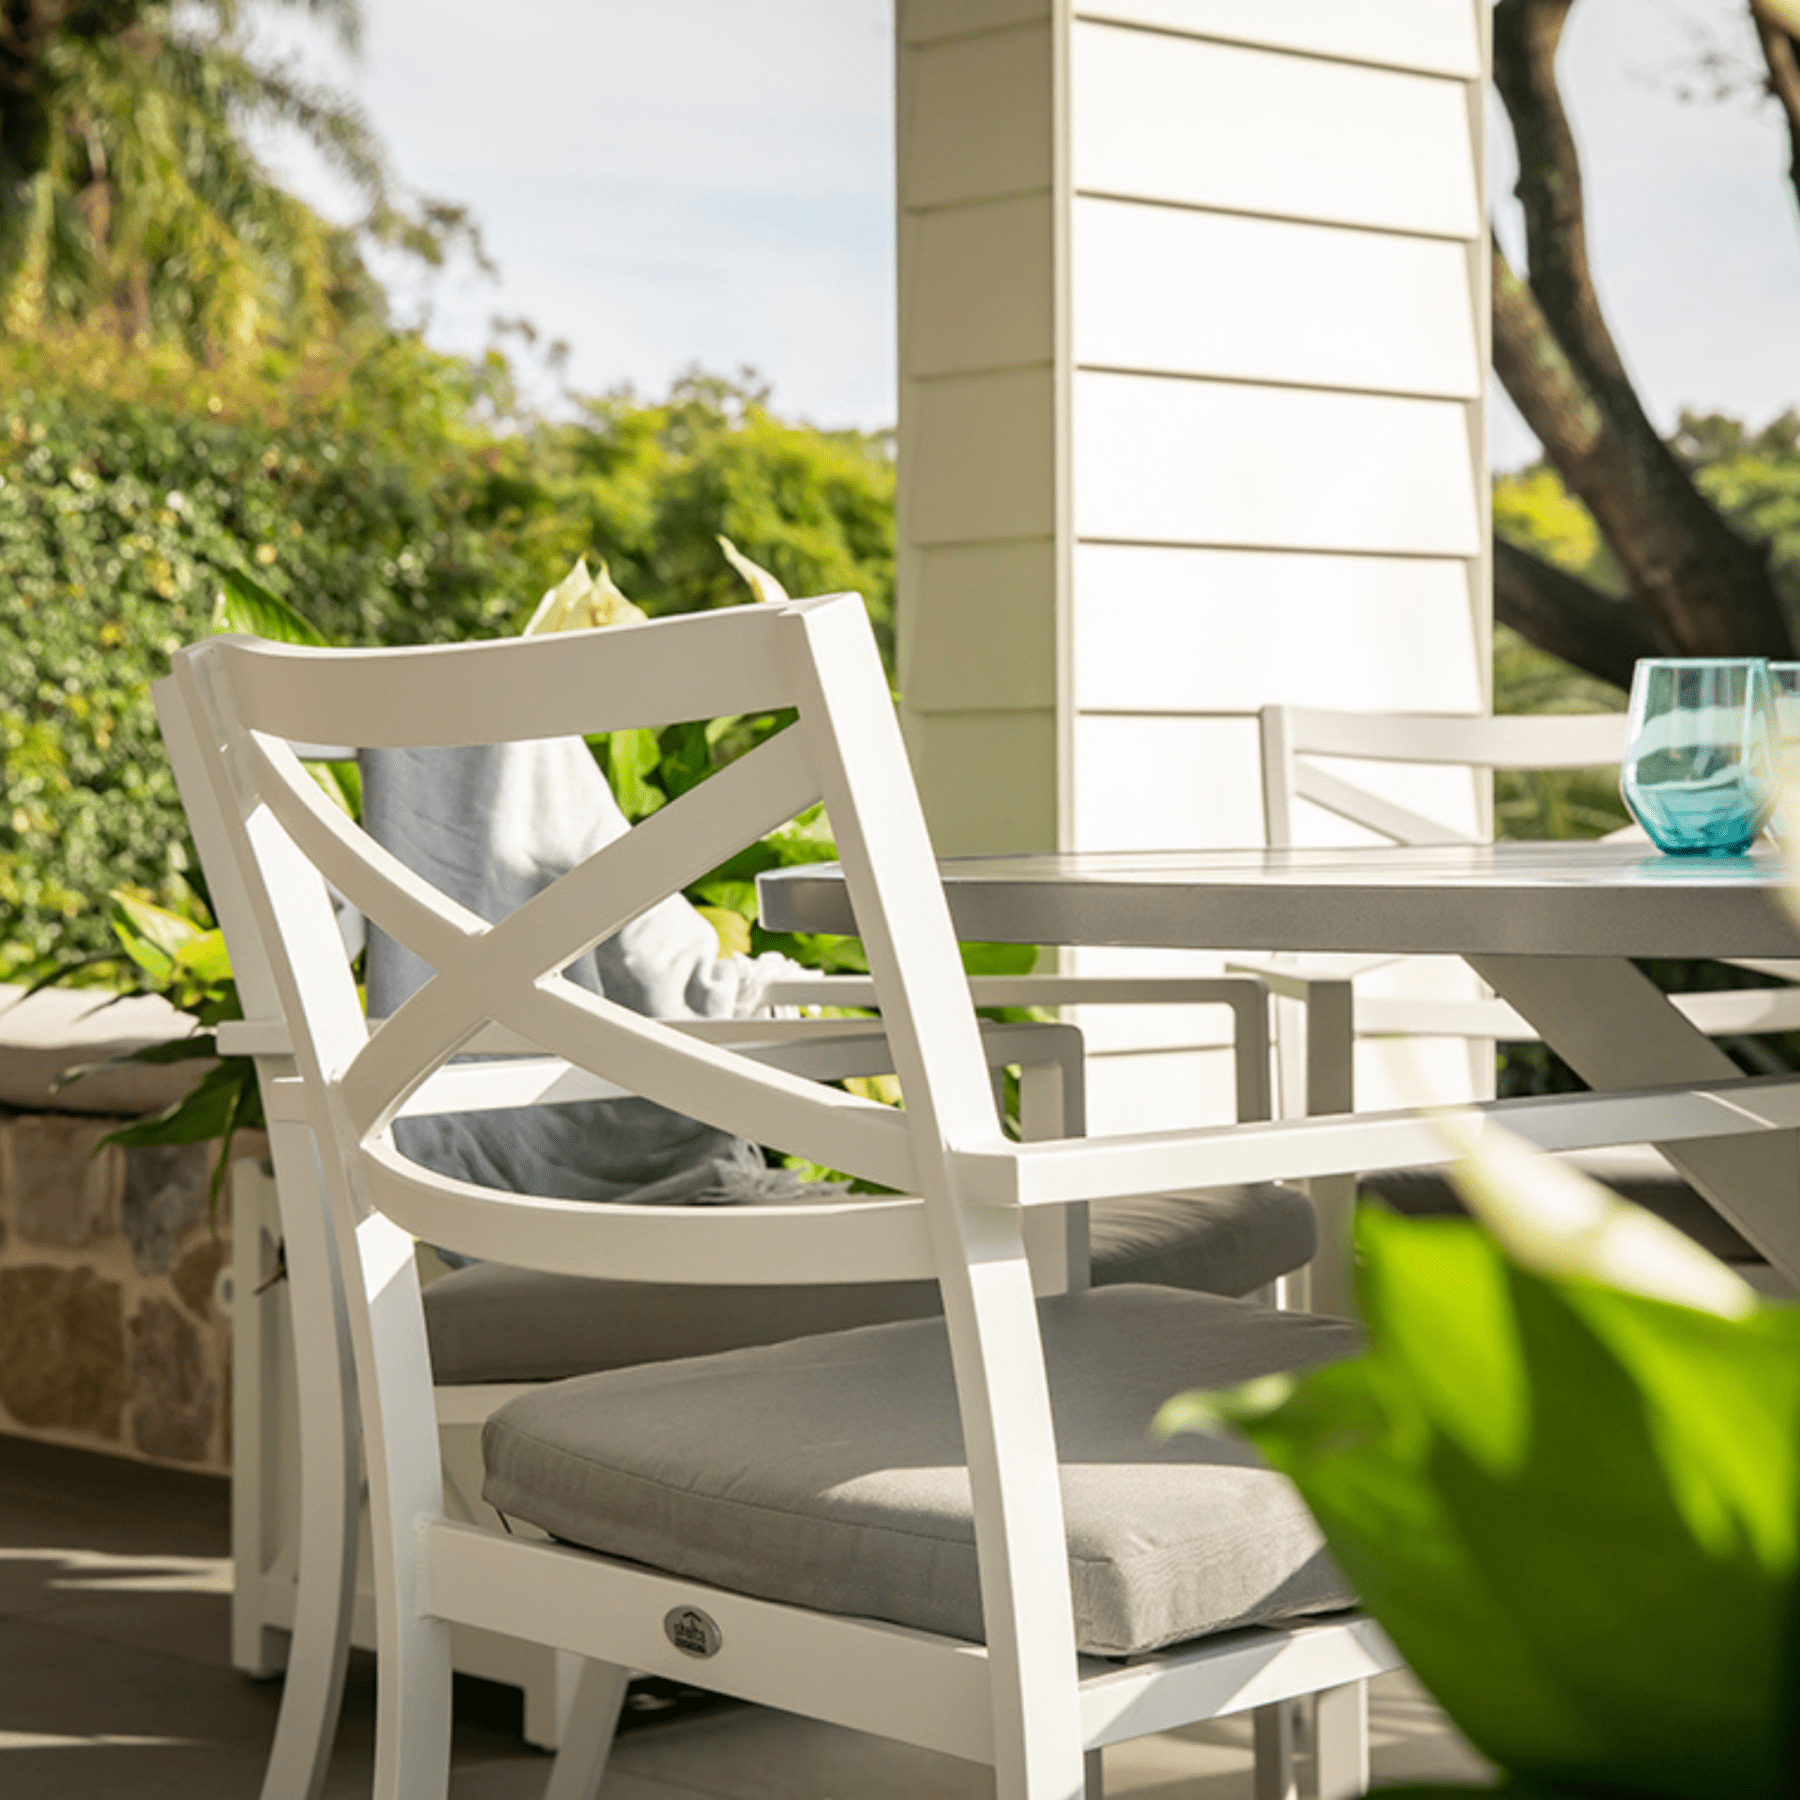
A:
392	495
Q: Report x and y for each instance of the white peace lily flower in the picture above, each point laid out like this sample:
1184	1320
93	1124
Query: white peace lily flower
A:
1554	1219
580	602
762	584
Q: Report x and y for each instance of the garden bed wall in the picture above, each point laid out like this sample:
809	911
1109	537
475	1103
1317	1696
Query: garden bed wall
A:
114	1277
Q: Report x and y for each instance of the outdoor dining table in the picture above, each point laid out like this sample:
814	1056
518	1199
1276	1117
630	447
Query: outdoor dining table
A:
1552	927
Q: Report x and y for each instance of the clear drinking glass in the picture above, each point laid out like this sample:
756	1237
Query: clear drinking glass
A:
1699	770
1784	690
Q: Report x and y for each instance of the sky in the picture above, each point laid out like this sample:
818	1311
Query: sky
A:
662	182
669	182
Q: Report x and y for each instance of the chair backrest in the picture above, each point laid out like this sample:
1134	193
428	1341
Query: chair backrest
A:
1300	745
499	987
236	707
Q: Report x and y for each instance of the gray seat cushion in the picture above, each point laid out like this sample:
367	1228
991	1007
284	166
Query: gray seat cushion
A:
491	1323
1635	1170
829	1473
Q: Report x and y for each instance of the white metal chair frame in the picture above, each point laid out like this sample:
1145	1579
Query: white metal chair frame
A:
299	1600
355	1079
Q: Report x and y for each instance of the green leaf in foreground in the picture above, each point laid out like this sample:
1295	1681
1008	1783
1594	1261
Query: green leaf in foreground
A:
1576	1509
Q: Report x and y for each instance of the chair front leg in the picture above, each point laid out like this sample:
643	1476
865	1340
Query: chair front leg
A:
1341	1742
330	1495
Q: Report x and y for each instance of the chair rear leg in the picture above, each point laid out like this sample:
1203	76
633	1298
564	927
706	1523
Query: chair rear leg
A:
1341	1741
587	1738
1276	1777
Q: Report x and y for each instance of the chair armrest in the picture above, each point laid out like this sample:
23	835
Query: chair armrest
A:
1060	1173
1246	994
1049	1054
1315	1002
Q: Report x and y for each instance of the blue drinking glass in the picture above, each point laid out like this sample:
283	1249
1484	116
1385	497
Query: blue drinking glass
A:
1699	770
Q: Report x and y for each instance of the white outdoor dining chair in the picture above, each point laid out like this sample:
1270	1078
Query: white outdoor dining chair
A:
296	1589
1410	778
867	1525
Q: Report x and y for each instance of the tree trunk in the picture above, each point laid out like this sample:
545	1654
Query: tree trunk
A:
1706	590
1783	63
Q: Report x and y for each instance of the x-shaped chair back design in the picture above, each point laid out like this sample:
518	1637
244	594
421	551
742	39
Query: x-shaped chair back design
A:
503	979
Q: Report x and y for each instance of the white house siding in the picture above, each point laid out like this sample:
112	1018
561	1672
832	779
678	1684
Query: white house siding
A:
1193	349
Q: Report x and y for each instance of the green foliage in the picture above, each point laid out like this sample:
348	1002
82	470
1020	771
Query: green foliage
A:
1547	803
1574	1508
188	964
116	518
1534	510
393	497
129	191
1753	478
649	488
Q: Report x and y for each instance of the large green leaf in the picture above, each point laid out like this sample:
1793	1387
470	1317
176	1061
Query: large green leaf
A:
153	937
632	757
1573	1507
226	1100
205	1113
684	756
244	604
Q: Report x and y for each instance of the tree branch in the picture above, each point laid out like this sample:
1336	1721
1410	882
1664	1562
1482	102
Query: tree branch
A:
1784	81
1707	590
1555	610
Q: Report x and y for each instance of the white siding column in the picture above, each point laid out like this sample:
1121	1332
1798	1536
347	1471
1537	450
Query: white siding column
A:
1193	334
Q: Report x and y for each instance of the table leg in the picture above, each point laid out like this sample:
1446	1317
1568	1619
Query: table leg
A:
1616	1029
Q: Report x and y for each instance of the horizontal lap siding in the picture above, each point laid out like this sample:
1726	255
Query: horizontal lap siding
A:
976	547
1435	36
1183	292
985	772
1170	783
1173	630
1225	126
1278	365
934	21
1222	463
977	287
981	454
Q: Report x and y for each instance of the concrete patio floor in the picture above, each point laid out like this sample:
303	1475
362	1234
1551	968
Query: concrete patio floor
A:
116	1684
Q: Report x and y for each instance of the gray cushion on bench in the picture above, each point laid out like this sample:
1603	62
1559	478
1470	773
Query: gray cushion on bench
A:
829	1472
492	1323
1637	1171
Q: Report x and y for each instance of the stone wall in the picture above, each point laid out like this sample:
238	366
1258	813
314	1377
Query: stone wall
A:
114	1294
114	1277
